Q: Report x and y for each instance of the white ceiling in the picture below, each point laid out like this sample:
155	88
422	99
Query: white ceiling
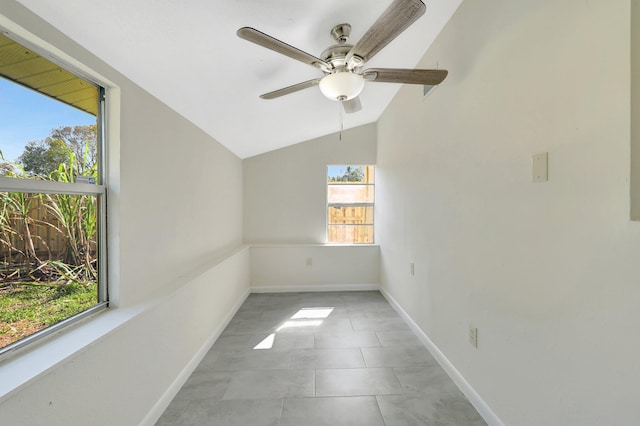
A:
187	54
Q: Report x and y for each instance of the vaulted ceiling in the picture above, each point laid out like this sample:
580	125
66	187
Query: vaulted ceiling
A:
187	54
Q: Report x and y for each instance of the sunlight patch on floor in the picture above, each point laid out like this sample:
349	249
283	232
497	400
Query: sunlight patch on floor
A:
267	342
312	313
300	323
305	317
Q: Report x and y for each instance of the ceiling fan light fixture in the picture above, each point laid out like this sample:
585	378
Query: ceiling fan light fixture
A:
341	86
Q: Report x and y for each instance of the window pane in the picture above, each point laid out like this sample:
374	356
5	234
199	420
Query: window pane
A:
350	194
354	234
48	260
350	174
38	134
350	199
351	215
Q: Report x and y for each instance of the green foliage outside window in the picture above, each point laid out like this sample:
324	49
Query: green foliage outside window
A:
350	174
48	247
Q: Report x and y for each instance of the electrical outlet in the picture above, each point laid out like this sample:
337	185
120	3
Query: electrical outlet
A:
308	261
412	268
473	336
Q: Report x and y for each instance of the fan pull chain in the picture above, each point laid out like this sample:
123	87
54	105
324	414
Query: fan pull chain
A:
341	112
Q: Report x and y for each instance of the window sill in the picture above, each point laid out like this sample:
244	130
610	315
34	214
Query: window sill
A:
44	355
301	245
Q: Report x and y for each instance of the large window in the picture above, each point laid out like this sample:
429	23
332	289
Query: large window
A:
350	198
52	196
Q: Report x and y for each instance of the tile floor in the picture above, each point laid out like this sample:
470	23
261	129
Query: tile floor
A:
318	359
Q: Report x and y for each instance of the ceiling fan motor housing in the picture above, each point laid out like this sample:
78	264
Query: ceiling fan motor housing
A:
336	55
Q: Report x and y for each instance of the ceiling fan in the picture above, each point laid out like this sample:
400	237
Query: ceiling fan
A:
343	63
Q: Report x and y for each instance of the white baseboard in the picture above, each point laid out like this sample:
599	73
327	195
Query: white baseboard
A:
483	409
154	414
314	287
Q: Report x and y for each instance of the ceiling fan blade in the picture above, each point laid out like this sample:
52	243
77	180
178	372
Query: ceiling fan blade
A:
265	40
405	76
352	105
290	89
398	17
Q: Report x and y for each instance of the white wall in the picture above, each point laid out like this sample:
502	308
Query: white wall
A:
548	272
285	214
176	222
285	191
332	267
181	199
635	109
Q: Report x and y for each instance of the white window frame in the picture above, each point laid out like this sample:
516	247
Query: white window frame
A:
98	190
340	205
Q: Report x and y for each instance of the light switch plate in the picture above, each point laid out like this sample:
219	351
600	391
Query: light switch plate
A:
473	336
540	167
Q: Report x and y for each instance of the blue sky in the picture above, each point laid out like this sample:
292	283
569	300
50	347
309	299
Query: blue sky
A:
335	170
27	116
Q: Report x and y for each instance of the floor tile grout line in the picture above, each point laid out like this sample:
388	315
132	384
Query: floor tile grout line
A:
281	412
380	410
395	373
364	361
375	333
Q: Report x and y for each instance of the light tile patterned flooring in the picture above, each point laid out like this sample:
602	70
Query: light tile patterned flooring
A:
287	359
